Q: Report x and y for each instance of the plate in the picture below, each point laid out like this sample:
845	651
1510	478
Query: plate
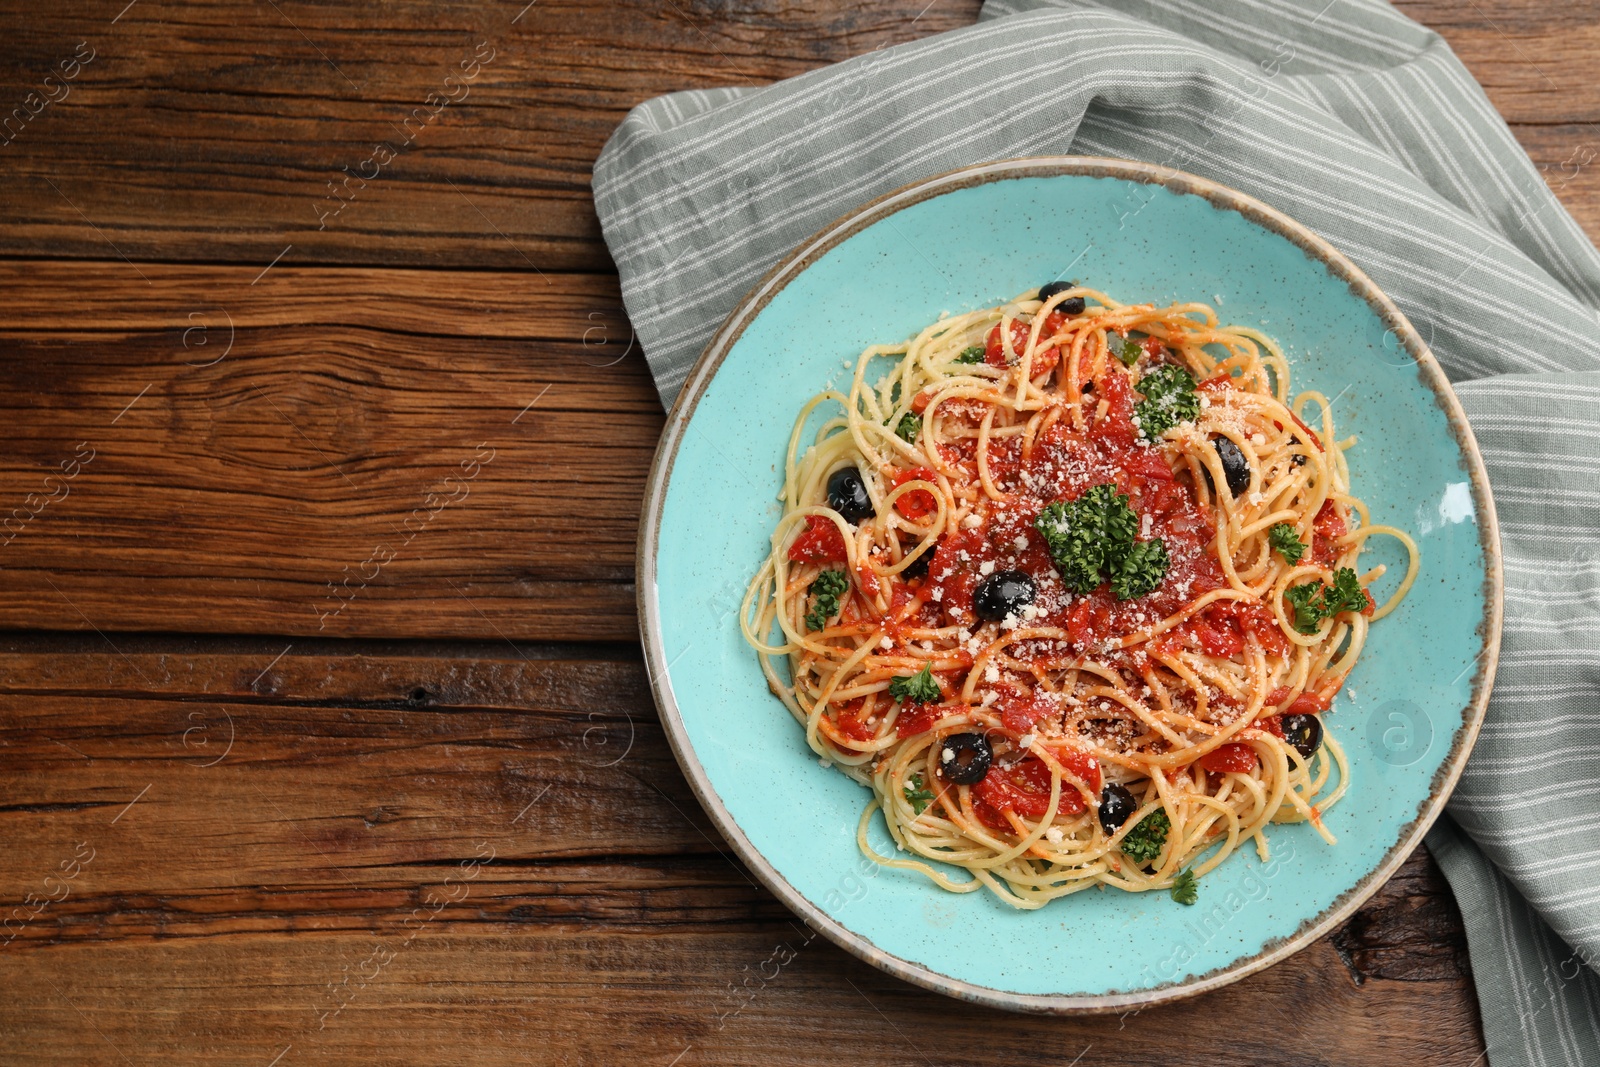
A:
973	238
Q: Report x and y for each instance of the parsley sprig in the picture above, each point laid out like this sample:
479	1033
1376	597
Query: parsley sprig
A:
918	795
1140	569
1314	603
1145	841
919	688
909	427
972	354
827	588
1169	398
1285	540
1185	890
1091	540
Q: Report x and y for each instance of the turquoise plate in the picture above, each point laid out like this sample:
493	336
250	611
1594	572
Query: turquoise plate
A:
970	239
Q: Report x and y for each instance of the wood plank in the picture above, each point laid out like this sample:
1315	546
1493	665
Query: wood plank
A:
215	132
273	457
193	306
513	993
320	880
292	765
1531	57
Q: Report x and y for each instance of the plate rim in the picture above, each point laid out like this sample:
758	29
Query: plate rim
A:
657	669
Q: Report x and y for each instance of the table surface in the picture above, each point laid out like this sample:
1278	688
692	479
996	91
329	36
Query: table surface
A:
325	730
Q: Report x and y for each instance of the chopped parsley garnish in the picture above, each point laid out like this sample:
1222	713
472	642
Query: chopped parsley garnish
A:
827	587
974	354
1091	539
1140	570
917	795
1313	602
1345	594
1169	398
1145	841
1185	890
1125	349
919	688
1074	547
909	427
1303	602
1286	542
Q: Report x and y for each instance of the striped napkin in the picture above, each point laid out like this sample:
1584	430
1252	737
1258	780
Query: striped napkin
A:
1364	126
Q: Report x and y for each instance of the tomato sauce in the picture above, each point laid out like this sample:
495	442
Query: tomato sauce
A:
819	542
1062	464
1235	756
1328	525
919	502
1045	360
1023	786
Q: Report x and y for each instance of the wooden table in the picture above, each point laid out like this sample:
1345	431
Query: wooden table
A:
325	732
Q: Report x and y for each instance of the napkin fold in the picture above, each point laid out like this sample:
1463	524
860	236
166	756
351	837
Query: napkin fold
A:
1362	125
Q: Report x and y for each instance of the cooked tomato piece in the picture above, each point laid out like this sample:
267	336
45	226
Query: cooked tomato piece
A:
1024	787
849	721
919	502
819	542
918	718
953	574
1148	463
1308	431
868	579
1043	361
1305	704
1239	619
1330	521
1086	622
1003	458
1084	766
1234	756
1217	634
1020	714
991	818
1115	428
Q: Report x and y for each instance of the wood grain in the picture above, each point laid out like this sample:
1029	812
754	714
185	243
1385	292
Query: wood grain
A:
214	131
505	993
293	456
499	850
273	374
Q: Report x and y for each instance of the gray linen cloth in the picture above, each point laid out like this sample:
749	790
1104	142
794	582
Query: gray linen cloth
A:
1362	125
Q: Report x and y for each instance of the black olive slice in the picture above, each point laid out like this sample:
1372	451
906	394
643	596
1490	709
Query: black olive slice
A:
847	494
918	568
1116	805
1304	732
964	758
1003	593
1072	305
1234	466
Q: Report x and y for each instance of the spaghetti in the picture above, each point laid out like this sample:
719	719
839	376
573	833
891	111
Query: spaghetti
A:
1068	584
